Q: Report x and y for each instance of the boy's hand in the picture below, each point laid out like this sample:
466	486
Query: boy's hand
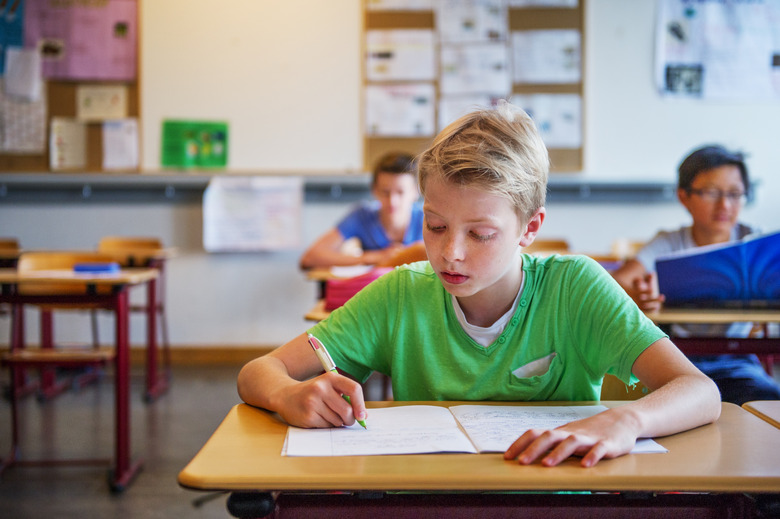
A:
645	293
604	435
318	402
376	257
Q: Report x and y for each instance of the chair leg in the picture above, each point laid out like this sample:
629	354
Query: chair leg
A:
19	380
95	331
47	375
13	452
166	345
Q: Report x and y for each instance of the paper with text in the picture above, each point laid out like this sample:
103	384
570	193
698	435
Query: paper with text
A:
419	429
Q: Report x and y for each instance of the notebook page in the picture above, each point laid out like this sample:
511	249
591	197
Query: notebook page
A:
414	429
495	428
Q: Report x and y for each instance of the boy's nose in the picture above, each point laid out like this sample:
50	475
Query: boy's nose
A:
453	249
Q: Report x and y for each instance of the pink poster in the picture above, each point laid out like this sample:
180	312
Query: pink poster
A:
84	39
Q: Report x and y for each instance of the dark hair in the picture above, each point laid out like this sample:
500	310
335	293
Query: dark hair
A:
395	162
709	157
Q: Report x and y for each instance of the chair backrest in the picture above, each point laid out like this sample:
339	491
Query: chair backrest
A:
9	244
624	248
615	389
130	250
9	252
544	247
44	260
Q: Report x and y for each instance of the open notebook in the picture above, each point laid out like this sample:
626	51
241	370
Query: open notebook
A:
740	274
421	429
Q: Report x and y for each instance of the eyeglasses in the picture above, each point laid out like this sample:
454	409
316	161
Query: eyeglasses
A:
715	195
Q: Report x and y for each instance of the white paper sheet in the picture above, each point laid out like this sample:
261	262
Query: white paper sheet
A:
22	125
557	116
403	54
252	213
405	110
718	50
23	77
120	144
470	21
478	68
100	102
547	56
67	144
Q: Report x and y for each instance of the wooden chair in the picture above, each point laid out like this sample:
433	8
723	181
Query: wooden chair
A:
544	247
142	251
615	389
9	252
48	357
37	261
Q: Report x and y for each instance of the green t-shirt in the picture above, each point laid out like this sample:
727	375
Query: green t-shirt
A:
570	313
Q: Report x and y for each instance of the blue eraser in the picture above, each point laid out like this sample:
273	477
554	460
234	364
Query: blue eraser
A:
94	268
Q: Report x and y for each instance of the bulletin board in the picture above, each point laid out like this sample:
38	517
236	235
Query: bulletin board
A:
563	159
84	48
61	102
288	80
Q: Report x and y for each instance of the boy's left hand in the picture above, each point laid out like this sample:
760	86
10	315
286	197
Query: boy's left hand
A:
605	435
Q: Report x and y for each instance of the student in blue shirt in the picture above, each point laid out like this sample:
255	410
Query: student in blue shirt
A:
712	186
383	226
481	320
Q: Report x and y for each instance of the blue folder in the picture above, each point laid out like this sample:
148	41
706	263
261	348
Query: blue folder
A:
97	268
741	274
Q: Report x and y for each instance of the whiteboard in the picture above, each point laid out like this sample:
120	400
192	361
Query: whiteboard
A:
285	75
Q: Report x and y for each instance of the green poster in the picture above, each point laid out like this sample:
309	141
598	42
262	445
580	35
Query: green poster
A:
194	144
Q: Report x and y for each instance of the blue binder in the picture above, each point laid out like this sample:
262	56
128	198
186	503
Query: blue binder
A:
740	274
97	268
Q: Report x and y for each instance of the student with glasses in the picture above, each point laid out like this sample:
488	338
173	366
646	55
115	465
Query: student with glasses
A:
712	185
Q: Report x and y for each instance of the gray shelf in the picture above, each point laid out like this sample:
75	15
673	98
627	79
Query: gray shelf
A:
188	188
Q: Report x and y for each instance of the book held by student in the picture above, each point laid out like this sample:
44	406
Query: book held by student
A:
743	273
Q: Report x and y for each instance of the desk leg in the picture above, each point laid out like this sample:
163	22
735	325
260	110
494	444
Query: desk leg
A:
124	471
155	384
21	384
49	385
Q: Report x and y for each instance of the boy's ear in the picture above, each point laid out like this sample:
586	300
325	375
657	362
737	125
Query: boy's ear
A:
532	227
683	197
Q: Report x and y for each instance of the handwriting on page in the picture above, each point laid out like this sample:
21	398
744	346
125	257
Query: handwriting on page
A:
494	428
392	430
418	429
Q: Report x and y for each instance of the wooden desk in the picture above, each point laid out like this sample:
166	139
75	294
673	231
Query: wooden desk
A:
244	454
318	313
117	299
767	410
718	345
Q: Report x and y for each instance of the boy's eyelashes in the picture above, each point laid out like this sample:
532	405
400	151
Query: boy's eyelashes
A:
473	234
482	237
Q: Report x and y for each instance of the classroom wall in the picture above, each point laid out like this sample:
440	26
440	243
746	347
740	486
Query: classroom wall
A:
256	299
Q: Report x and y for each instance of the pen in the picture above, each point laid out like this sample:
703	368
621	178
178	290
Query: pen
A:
328	364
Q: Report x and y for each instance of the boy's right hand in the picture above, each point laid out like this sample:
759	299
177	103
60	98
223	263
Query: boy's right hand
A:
645	293
318	402
376	257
